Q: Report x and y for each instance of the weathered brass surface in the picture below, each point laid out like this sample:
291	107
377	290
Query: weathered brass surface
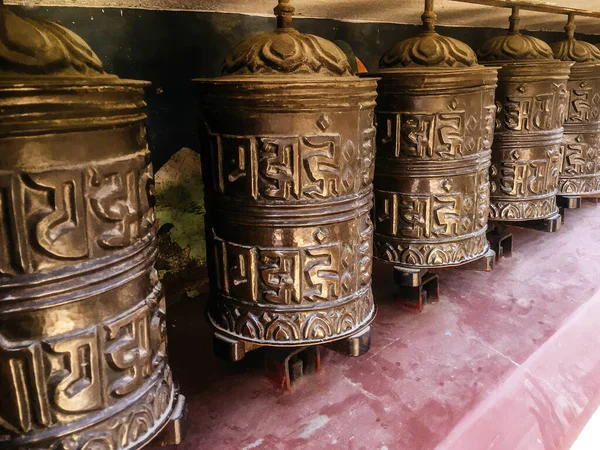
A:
435	125
82	314
531	100
288	167
580	173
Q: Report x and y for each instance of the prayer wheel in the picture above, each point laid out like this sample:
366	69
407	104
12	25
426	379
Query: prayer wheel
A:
531	99
83	361
580	174
435	124
288	166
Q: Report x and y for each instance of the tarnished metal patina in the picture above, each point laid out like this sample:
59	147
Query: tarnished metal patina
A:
531	100
82	314
580	174
288	166
435	126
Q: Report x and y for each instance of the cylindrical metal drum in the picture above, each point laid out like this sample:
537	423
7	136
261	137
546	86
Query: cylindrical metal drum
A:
435	125
288	167
531	101
580	174
82	314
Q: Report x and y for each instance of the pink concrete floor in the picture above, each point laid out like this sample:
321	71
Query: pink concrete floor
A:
508	360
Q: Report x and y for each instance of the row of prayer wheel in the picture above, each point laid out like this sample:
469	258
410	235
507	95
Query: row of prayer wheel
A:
297	202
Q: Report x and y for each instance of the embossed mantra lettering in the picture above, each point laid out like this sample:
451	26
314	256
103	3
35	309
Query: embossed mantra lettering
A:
293	276
421	135
287	168
77	213
531	177
425	216
543	111
79	372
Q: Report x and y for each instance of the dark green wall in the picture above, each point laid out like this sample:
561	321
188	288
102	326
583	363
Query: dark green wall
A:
171	47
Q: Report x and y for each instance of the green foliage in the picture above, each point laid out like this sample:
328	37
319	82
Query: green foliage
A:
182	205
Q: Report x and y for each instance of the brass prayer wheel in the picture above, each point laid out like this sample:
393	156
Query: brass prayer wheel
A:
580	174
288	166
83	361
435	125
531	99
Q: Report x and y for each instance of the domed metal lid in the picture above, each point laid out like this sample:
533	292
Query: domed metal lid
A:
34	48
429	49
286	51
573	50
514	46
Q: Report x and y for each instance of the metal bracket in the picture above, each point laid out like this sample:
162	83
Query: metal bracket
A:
565	203
417	286
231	349
286	366
568	202
175	430
356	345
483	264
550	225
501	242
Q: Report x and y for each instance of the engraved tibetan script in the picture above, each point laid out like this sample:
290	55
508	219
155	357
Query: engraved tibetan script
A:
129	350
580	106
282	276
113	198
525	113
426	135
575	158
70	373
280	273
236	165
322	273
321	167
61	230
288	167
535	177
79	386
53	217
278	168
423	216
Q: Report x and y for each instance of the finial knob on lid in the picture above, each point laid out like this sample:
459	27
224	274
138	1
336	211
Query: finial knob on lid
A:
429	16
286	51
514	46
285	13
570	49
515	21
429	49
